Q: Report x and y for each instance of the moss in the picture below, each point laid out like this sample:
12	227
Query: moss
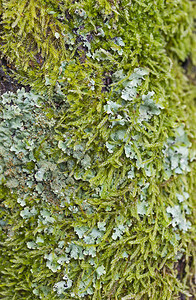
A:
103	187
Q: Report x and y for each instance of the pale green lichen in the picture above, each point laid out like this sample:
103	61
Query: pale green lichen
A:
46	174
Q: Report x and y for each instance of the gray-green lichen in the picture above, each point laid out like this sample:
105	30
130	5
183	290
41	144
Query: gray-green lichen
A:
49	193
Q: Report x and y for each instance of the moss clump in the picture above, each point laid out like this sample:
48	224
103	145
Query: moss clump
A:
100	171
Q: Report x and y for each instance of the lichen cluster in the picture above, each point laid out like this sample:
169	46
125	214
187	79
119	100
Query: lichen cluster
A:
97	160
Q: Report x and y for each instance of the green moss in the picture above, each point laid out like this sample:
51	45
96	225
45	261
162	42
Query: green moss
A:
100	171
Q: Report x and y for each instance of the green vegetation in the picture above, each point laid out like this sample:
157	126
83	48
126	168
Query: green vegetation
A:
97	161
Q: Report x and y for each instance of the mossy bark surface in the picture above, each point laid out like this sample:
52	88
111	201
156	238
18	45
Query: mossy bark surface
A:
97	157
